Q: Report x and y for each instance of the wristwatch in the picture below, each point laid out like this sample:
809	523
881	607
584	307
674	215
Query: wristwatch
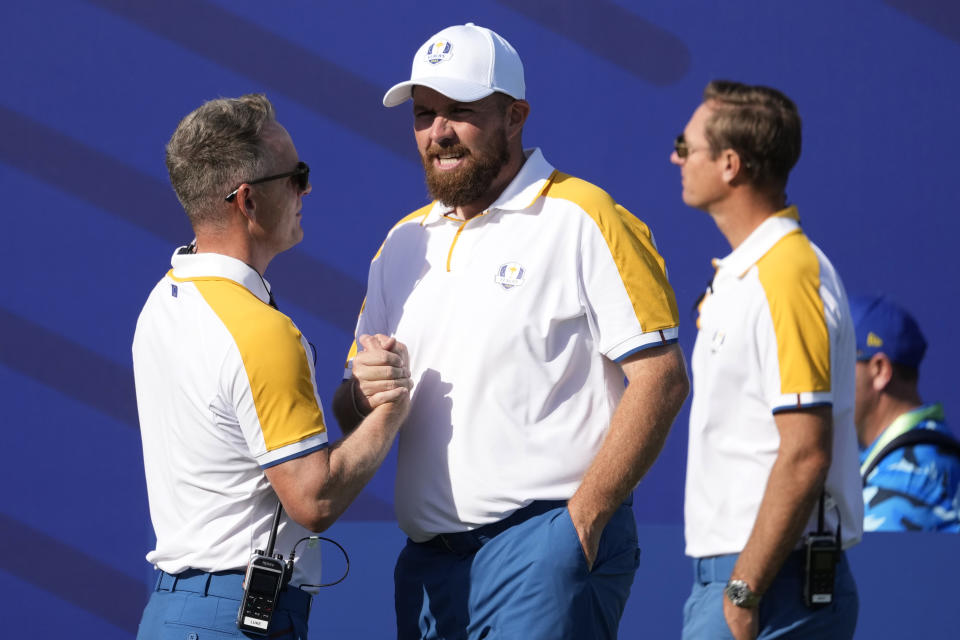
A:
740	594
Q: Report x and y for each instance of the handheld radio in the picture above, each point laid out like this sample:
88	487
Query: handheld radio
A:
266	575
822	553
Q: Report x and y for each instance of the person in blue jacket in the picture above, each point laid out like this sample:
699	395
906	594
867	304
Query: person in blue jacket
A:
910	461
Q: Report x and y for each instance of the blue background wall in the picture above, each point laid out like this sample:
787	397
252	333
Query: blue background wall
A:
90	91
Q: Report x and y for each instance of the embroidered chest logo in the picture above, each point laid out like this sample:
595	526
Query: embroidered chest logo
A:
510	275
718	337
439	51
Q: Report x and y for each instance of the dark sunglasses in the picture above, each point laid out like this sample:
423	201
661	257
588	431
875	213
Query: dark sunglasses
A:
683	151
680	147
301	176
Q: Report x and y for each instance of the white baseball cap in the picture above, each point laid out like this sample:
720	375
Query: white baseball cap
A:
464	63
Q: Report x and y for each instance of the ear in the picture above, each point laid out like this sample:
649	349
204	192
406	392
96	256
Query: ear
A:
516	114
244	204
731	165
881	371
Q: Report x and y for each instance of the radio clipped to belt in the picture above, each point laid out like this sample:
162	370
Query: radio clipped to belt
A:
266	575
822	554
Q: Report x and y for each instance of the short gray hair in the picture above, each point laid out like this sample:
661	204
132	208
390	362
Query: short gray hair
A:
216	147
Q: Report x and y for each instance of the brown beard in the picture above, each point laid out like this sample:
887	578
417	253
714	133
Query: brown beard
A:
471	181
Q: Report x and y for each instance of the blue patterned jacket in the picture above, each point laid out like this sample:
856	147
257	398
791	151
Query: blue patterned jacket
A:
916	487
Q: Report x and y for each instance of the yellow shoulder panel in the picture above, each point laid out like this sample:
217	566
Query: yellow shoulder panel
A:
641	266
419	213
275	362
790	276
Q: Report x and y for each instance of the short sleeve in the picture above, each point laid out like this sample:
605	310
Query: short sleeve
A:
625	285
623	277
793	336
268	377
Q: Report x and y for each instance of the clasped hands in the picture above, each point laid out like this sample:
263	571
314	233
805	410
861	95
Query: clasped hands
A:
381	373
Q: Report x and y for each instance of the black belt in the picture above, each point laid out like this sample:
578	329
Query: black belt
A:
228	584
466	542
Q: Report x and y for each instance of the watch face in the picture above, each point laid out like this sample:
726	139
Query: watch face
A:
739	594
734	592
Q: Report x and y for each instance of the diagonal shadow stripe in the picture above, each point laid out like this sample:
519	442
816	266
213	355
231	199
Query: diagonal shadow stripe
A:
88	378
150	204
613	33
71	369
66	572
274	62
940	16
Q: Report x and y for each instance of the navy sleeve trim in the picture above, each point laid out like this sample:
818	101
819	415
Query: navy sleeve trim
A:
644	347
800	407
298	454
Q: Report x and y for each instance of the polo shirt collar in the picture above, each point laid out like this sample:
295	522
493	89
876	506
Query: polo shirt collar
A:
759	242
195	266
520	194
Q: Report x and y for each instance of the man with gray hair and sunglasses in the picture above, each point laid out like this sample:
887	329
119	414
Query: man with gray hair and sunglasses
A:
230	417
525	296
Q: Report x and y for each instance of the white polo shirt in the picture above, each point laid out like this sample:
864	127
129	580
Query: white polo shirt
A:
774	334
225	388
514	321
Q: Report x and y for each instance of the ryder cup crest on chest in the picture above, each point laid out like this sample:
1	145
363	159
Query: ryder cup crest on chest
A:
510	275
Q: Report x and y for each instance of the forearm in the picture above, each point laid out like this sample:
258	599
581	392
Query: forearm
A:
355	459
346	409
317	488
793	489
637	432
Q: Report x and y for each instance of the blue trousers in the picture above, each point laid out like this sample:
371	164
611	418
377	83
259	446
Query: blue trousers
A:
783	613
525	577
195	605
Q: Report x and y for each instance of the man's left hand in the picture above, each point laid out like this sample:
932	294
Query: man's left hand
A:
744	623
588	529
639	426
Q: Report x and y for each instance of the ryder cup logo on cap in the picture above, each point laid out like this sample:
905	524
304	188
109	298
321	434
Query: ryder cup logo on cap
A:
438	52
465	63
883	326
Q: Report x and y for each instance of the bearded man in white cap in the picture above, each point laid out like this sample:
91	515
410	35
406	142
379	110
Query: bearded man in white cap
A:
525	296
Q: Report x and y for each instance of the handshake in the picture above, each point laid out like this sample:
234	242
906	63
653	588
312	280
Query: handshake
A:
381	376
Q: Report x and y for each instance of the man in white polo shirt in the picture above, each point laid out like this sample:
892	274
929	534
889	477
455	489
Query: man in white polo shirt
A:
229	413
772	458
525	296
